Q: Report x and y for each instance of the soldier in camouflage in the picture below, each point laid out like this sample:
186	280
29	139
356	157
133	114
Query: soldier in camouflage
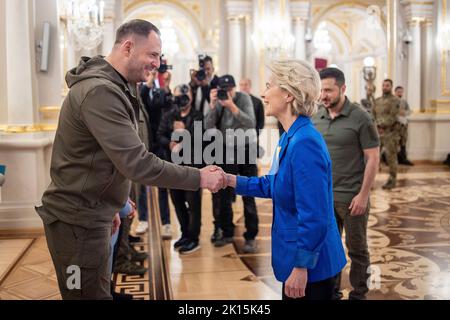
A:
386	111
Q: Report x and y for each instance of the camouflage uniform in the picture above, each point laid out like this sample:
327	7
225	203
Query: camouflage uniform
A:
386	111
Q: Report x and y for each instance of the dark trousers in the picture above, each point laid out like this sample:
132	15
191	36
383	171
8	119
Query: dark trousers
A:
225	217
163	201
188	207
142	203
356	242
320	290
81	256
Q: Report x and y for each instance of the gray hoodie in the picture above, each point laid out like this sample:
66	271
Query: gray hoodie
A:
97	150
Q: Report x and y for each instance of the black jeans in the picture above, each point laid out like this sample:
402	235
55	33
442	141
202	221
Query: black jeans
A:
188	207
225	215
320	290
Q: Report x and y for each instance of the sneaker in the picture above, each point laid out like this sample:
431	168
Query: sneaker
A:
166	232
250	246
142	227
180	242
121	296
223	241
337	295
133	239
189	247
130	269
216	235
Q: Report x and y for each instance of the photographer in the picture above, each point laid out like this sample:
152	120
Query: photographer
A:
202	80
187	203
156	97
234	110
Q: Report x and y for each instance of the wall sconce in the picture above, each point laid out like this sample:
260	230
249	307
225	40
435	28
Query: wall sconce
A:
407	38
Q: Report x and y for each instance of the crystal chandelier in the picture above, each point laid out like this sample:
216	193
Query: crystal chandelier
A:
322	41
84	20
274	36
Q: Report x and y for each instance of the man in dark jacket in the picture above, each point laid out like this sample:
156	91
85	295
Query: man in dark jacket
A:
96	152
185	120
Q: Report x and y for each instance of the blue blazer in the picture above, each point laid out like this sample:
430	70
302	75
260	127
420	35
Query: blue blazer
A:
304	229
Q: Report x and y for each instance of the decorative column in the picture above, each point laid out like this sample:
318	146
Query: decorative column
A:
109	28
19	107
414	66
237	53
24	152
235	48
417	14
51	82
299	13
392	28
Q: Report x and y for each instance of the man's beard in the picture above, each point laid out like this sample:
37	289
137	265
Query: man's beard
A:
334	103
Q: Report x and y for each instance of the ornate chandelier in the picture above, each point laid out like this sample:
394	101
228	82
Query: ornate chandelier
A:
84	21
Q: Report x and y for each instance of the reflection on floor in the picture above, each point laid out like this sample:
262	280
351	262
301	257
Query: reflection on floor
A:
409	235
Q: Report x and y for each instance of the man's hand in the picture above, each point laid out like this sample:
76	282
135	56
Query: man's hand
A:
116	224
213	178
295	285
194	79
178	125
213	98
175	147
229	104
359	204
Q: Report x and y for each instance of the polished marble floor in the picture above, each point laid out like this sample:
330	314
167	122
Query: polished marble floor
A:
409	241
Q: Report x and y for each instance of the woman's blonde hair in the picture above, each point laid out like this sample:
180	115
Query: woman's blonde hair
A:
301	80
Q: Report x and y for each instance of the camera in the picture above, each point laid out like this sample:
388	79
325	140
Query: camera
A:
183	99
161	98
222	93
163	66
225	83
201	73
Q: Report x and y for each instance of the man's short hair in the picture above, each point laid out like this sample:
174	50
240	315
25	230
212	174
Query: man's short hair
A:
334	73
398	87
388	80
208	59
135	27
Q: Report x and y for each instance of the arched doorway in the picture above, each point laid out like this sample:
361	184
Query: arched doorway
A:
354	31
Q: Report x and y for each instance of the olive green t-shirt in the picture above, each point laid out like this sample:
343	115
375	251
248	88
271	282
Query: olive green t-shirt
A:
346	136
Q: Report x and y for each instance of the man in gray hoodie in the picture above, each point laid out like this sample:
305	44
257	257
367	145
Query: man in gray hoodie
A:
96	152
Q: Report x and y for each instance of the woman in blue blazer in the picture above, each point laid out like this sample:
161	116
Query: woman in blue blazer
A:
307	250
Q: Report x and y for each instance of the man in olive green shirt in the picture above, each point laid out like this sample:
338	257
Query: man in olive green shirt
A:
353	144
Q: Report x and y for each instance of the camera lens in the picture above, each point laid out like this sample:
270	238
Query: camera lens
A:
222	94
201	75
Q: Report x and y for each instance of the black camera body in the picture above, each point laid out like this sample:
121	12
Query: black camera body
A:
163	66
201	73
222	93
161	98
183	99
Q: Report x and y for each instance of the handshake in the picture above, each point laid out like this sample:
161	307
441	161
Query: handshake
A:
214	178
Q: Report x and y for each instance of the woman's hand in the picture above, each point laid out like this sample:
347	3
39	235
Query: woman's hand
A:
231	180
295	285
